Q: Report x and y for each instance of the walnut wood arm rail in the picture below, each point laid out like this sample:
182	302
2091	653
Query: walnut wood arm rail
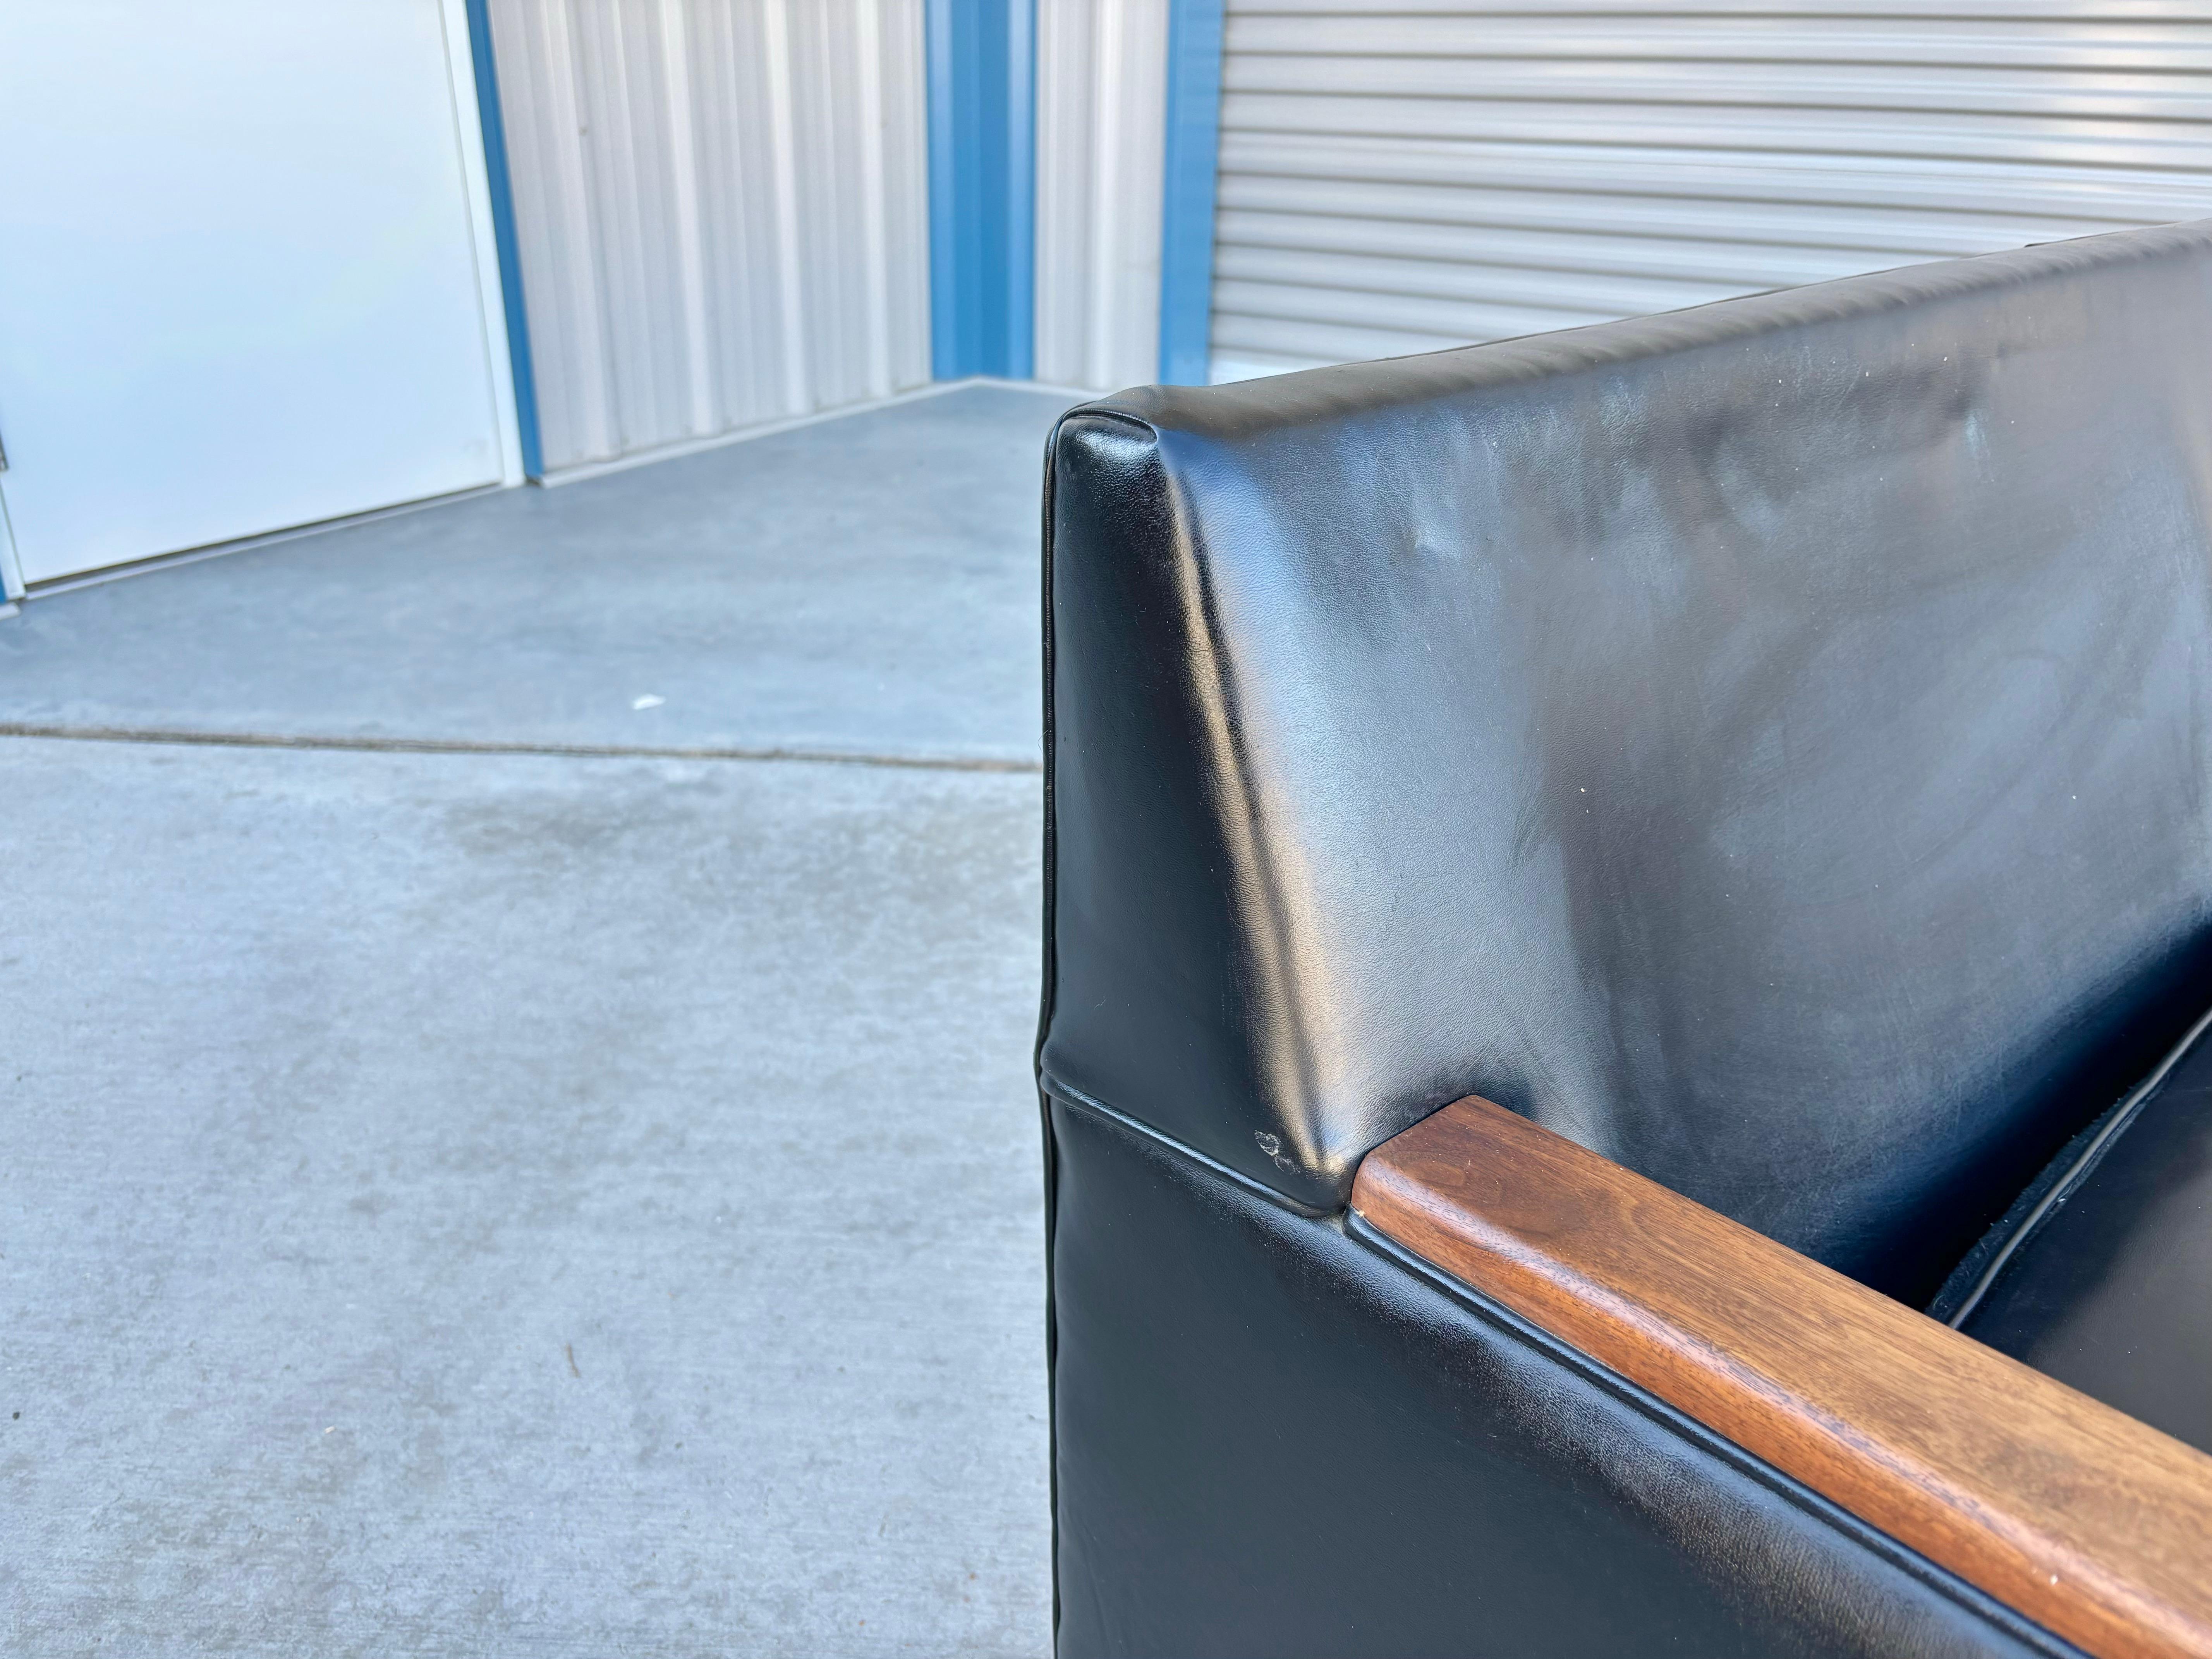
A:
2097	1526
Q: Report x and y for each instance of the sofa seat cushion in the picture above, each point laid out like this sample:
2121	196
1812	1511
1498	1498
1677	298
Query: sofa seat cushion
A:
2101	1276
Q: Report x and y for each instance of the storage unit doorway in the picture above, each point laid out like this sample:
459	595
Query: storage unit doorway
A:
1404	175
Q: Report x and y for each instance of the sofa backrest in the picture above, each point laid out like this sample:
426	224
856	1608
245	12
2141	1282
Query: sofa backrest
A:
1768	743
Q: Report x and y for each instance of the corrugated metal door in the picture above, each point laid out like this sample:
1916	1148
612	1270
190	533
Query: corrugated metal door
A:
722	208
1101	114
1402	175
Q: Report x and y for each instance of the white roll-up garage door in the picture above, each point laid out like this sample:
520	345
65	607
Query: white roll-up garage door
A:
1402	175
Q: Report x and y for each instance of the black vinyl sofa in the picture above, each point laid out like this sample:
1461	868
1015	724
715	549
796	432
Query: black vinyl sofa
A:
1627	916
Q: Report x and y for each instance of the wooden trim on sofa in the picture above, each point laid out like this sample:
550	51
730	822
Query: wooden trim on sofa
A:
2094	1525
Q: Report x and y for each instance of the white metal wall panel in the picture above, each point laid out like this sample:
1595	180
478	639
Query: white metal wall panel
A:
722	208
1403	175
1101	127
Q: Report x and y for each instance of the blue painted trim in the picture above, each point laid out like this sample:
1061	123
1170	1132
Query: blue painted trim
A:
982	187
1194	152
502	231
1020	254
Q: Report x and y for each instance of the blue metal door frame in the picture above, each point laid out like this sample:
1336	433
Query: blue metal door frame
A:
1187	199
983	188
501	188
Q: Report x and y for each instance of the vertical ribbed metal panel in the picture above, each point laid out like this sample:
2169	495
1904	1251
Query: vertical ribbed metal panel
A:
1102	114
1402	175
722	209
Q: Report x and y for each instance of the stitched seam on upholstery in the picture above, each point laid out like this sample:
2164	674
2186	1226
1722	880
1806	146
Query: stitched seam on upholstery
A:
1741	319
2084	1165
1081	1102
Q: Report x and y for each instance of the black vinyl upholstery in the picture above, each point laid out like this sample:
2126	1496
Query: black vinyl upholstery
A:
1767	743
1272	1441
2105	1280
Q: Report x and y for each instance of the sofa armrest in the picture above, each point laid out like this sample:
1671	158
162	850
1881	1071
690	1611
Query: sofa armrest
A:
2094	1524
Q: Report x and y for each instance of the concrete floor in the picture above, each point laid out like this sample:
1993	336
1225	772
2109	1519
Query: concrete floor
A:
502	1202
867	585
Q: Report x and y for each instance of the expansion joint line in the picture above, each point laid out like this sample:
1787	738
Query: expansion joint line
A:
383	745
